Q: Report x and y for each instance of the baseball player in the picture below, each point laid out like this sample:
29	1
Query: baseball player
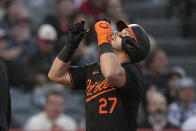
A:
114	85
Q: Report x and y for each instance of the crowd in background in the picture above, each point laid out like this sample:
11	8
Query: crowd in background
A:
32	32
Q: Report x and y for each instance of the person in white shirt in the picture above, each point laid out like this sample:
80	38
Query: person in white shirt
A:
189	125
52	118
185	106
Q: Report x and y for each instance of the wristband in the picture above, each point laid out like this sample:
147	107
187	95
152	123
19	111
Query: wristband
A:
106	48
66	53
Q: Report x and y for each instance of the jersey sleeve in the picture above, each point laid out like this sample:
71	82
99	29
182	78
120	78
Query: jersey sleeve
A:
78	77
134	80
79	74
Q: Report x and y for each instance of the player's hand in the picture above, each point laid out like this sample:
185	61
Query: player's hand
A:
104	31
76	33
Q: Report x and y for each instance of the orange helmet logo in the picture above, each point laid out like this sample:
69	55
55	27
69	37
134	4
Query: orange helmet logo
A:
104	25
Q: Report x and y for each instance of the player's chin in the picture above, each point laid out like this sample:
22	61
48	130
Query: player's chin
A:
112	43
116	45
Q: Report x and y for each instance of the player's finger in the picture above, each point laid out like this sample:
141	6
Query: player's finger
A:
82	23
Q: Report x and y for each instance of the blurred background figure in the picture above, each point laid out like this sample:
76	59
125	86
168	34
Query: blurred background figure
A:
173	76
4	53
19	41
52	118
25	40
93	9
38	64
13	8
36	9
10	57
156	113
65	13
185	105
156	65
189	124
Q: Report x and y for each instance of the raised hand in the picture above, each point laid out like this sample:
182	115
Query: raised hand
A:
104	32
76	33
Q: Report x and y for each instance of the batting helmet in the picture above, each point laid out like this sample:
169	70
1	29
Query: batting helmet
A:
138	46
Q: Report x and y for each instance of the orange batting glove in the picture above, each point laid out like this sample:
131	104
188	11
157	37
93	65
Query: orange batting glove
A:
104	32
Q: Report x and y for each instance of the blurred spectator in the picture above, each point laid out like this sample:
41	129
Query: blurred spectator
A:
143	106
156	65
185	105
115	12
40	92
93	9
6	54
9	56
65	13
52	118
5	103
21	35
157	113
12	8
39	9
151	90
173	75
16	47
189	125
38	64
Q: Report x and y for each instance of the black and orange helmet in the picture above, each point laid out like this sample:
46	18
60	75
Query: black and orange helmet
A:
138	46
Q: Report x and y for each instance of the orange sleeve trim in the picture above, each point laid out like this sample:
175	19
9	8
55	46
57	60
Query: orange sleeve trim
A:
72	81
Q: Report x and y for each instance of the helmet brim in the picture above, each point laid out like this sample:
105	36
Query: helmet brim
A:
121	24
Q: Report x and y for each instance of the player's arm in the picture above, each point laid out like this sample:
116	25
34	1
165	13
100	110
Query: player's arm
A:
110	65
112	70
59	71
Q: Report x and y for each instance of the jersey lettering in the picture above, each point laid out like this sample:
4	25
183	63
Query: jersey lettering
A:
96	87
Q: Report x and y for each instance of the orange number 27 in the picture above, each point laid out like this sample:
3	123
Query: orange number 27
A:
104	103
